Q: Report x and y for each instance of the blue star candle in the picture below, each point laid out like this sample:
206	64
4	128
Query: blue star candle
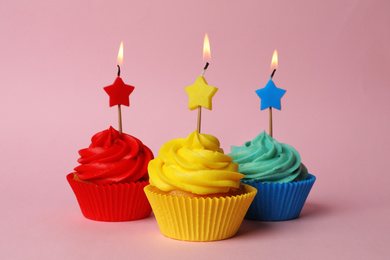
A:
270	95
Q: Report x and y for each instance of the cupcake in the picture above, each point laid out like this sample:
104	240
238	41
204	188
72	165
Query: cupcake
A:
276	170
109	181
195	190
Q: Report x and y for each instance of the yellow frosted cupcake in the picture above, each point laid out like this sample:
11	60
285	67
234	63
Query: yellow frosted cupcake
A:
195	190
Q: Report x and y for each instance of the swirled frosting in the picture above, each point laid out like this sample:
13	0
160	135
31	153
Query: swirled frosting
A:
113	158
194	164
266	160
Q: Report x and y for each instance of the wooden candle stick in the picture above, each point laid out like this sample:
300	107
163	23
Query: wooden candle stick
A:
119	119
119	107
200	108
270	109
270	121
199	119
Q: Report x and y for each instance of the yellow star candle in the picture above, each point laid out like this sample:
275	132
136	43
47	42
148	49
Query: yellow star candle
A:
200	93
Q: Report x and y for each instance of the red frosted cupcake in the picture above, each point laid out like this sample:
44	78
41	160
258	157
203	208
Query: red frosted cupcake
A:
109	181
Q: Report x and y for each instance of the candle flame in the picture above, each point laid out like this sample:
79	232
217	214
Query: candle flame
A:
120	55
206	48
274	62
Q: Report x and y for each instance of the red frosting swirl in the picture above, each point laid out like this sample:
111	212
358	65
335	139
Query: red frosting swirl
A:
114	158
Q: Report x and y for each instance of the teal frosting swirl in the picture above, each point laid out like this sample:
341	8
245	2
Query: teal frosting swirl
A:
266	160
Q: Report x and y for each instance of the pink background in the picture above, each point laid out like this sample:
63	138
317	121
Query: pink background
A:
334	60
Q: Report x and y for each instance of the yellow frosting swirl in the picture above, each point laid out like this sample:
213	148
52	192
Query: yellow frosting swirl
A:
194	164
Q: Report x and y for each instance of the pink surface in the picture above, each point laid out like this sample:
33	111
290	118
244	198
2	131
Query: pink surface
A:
334	58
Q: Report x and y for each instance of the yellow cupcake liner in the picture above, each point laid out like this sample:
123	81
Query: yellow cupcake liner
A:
200	219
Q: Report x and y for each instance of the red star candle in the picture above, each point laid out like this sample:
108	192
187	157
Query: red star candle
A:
119	92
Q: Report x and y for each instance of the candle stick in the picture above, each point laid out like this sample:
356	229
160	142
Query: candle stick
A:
119	107
270	121
199	119
270	110
200	93
119	92
119	119
270	95
200	108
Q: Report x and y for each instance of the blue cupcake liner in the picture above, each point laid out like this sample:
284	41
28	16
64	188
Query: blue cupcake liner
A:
279	201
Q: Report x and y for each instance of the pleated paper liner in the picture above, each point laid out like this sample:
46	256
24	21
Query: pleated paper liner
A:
113	202
199	219
279	201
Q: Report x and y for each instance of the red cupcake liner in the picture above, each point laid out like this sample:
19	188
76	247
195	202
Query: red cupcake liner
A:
111	202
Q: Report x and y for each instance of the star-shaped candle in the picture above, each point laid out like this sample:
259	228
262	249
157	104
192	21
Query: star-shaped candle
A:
119	92
270	95
200	93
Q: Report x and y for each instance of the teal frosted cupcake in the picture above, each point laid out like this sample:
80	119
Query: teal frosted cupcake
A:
276	171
